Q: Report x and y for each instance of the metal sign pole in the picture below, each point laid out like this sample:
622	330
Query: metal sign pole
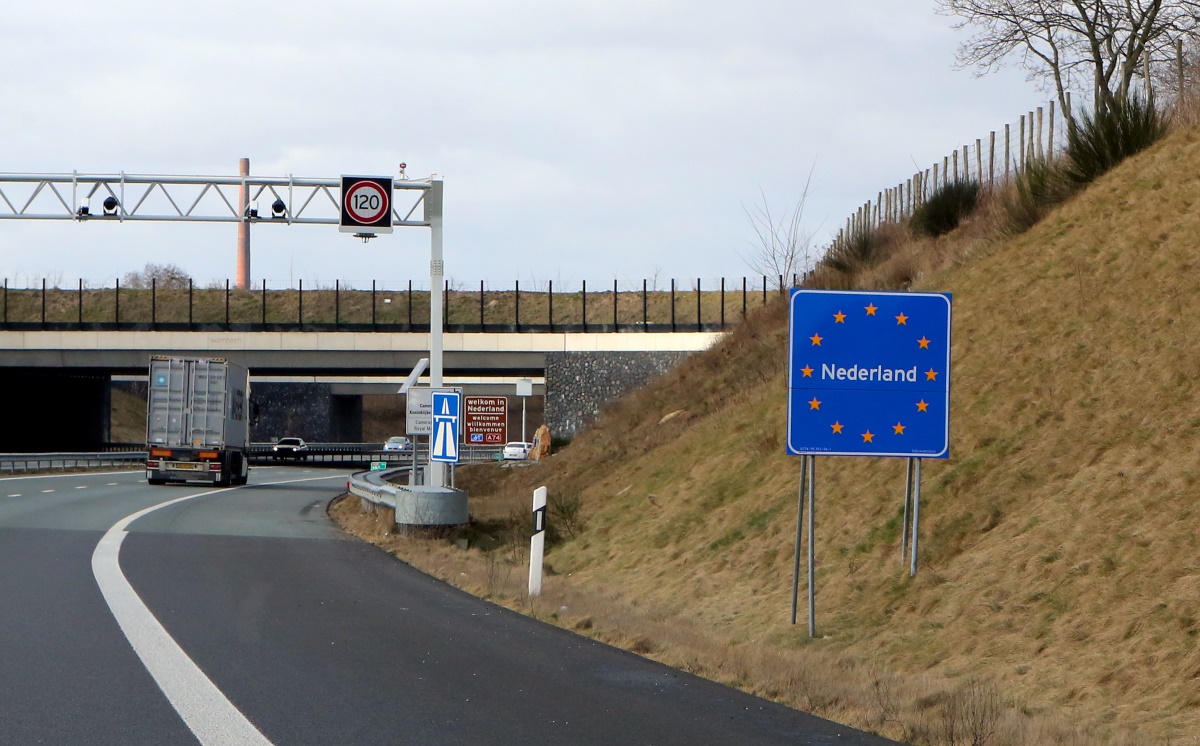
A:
916	521
812	561
799	534
433	215
907	500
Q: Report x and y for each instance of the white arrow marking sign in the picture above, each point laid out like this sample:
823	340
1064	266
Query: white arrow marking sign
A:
445	427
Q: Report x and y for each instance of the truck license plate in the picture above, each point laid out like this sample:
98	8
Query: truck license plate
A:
184	466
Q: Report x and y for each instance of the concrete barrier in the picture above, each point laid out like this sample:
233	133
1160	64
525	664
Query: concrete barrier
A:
414	505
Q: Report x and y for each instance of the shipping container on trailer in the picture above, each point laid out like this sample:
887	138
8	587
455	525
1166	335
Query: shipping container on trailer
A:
197	421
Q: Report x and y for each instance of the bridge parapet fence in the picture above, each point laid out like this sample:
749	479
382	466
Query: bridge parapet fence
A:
175	306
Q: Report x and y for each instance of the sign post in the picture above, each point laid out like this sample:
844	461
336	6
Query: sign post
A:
868	375
524	390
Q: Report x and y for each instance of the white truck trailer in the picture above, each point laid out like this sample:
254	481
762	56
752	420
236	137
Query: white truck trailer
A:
197	423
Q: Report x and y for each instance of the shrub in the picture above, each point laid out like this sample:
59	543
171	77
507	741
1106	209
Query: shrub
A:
566	510
1099	142
945	209
1042	185
852	255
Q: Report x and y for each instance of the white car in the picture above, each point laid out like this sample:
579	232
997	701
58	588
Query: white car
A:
517	451
397	443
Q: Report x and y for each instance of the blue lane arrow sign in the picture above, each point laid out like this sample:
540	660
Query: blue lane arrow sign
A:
444	440
869	374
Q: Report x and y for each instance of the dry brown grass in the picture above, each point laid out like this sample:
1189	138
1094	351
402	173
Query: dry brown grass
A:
1060	563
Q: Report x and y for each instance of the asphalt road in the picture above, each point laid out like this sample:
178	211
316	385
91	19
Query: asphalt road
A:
245	616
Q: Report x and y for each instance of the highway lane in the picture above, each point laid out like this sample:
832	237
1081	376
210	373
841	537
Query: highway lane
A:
314	636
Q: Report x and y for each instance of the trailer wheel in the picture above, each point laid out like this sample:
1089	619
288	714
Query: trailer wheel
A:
226	477
241	474
156	481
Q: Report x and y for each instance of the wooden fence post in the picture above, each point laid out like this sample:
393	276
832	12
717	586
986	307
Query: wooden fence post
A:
1050	135
992	159
1006	152
1042	152
979	161
1029	153
1021	158
1182	83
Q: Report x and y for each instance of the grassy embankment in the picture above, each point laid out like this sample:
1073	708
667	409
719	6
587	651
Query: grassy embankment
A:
1059	595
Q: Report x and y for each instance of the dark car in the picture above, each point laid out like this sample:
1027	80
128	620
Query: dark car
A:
293	448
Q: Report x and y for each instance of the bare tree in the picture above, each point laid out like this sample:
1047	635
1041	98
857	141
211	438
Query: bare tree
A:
783	247
166	276
1103	45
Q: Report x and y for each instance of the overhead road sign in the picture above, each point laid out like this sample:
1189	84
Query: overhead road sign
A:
443	446
869	374
366	204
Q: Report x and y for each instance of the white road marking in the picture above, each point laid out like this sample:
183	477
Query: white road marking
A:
45	491
206	711
16	495
81	487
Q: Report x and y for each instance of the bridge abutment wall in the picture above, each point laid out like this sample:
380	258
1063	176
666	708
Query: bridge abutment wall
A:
303	410
580	384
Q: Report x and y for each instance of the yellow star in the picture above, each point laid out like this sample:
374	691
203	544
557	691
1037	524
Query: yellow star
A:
898	428
924	343
868	437
814	404
902	319
839	317
816	340
922	406
837	428
871	309
807	371
931	375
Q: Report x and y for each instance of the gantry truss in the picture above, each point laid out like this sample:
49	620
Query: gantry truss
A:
279	200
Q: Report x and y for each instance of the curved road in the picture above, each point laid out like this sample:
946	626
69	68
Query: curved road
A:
244	616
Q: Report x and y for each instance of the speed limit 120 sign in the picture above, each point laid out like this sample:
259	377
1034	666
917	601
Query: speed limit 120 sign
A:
366	204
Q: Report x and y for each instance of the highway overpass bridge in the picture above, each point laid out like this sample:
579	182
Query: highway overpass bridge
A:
58	382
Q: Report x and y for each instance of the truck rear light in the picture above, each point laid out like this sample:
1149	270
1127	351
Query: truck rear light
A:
152	464
215	466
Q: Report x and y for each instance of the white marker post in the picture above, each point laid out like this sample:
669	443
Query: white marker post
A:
537	544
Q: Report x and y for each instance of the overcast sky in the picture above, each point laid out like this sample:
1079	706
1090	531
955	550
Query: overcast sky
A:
578	139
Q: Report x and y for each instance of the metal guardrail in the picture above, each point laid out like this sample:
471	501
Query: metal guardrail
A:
374	487
24	462
353	455
412	505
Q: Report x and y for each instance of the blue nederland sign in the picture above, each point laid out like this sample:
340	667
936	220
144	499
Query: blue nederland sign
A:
869	374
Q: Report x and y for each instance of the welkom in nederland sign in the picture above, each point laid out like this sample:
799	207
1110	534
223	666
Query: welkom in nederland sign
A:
868	375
